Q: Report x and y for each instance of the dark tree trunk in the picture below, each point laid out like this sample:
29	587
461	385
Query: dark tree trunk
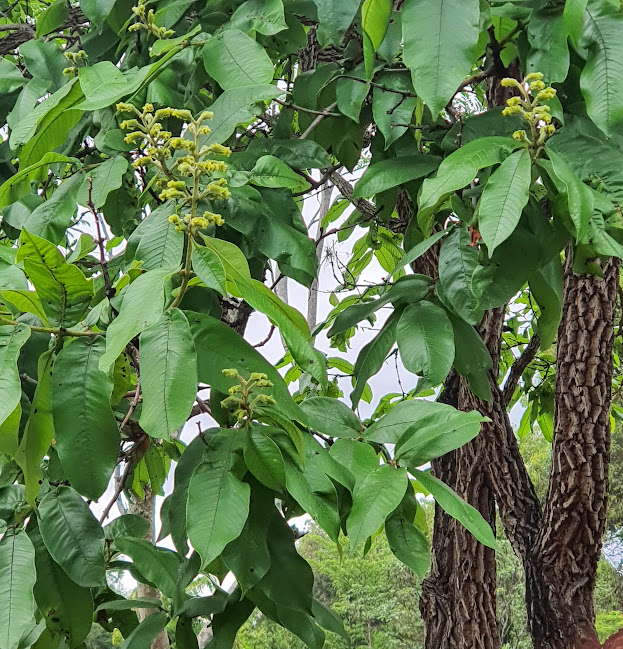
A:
569	544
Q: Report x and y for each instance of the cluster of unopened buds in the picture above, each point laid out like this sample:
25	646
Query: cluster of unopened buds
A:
145	20
529	106
77	59
187	179
239	399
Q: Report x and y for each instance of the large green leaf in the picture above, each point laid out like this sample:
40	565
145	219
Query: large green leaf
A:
233	59
73	536
458	170
39	431
104	179
12	338
503	198
11	79
66	607
263	16
472	358
602	76
236	106
332	417
358	457
438	430
87	438
456	507
440	39
392	110
375	16
405	540
168	374
270	171
209	269
546	287
392	172
17	578
218	502
52	218
426	342
580	199
64	291
141	307
372	356
263	457
549	53
159	566
373	501
145	633
103	84
334	18
457	262
163	245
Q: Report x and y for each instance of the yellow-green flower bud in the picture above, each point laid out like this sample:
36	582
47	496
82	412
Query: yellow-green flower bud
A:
230	373
537	85
161	113
207	114
258	376
212	166
125	108
512	110
235	389
266	399
520	136
513	101
141	162
219	149
176	184
183	114
534	76
129	123
218	191
508	82
545	94
205	130
199	223
550	129
148	108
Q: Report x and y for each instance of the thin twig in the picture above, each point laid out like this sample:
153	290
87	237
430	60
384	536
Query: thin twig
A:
301	109
133	404
326	113
270	335
129	465
109	291
517	369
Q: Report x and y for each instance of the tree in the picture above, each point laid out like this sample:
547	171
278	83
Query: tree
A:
155	161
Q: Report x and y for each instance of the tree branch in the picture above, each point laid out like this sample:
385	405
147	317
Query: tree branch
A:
517	369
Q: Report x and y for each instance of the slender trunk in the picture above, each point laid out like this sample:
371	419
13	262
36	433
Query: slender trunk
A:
312	300
569	545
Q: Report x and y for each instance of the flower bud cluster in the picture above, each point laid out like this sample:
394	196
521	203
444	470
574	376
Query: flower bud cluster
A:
145	20
77	59
240	396
529	106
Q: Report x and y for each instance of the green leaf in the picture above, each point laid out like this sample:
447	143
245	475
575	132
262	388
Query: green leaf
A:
168	374
64	291
375	16
141	307
127	525
9	432
405	540
580	199
39	430
44	60
235	60
331	417
373	500
97	10
392	172
549	53
83	247
53	127
73	536
19	183
457	263
225	625
418	250
66	607
426	342
159	566
438	430
334	18
52	218
412	287
236	106
129	604
358	457
11	79
145	633
440	40
17	578
156	468
456	507
525	425
87	437
263	16
503	199
546	286
602	76
209	269
350	93
472	358
263	458
218	502
12	339
269	171
393	110
573	16
372	356
458	170
105	178
103	84
52	18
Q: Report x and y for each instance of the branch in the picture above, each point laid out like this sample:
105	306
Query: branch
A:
270	335
109	291
346	189
326	113
53	330
517	369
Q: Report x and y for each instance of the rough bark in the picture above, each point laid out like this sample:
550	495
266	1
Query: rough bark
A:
569	544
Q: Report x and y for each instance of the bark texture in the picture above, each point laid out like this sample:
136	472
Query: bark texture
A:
569	544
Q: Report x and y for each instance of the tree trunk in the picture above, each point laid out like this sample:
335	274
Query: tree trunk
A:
569	544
